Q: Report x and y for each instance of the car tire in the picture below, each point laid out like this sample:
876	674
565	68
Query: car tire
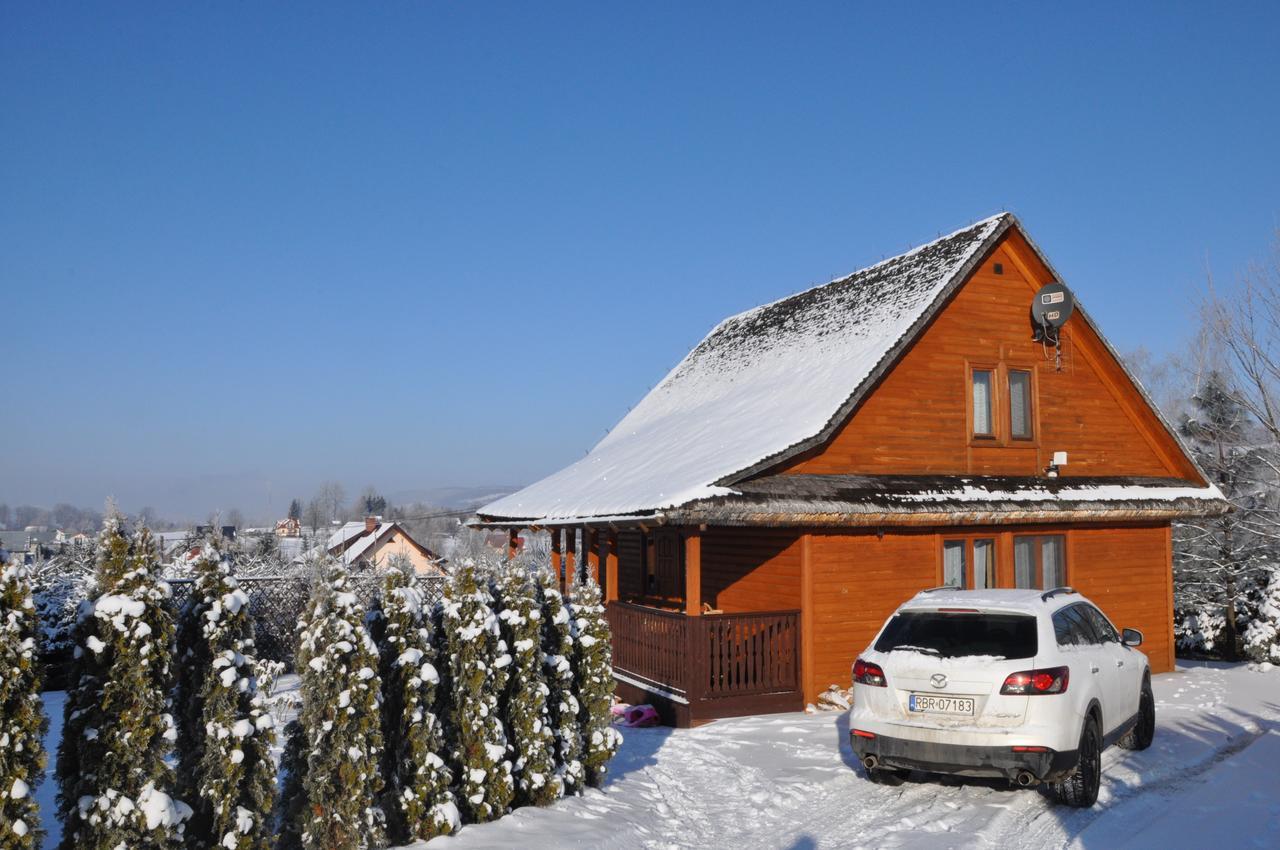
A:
1139	737
1080	789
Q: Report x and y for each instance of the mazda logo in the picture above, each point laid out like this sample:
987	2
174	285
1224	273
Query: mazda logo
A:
938	680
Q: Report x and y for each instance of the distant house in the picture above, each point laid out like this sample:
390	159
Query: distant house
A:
290	527
374	542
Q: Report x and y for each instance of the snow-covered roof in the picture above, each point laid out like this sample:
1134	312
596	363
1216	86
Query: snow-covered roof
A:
345	533
765	382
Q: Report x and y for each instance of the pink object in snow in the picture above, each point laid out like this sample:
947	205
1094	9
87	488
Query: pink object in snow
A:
641	715
619	710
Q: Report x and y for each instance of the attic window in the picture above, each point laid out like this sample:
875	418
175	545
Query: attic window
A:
980	381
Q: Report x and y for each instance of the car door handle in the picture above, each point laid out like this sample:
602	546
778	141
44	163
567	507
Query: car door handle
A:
1119	663
1093	669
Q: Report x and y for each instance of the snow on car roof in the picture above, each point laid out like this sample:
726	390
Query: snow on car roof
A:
1010	599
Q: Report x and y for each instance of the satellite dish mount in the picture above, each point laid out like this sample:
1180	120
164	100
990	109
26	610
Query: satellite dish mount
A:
1050	309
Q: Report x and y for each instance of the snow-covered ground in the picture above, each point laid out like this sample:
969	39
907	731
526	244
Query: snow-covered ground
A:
790	781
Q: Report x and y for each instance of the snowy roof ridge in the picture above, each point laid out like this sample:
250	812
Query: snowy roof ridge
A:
713	418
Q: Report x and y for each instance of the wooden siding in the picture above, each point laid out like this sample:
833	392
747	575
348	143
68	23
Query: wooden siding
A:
859	579
917	419
751	569
1126	572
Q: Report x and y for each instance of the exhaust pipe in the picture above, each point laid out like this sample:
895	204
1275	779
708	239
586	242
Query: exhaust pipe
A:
870	762
1027	779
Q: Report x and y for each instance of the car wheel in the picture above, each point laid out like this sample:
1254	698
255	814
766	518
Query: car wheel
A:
1139	737
1080	789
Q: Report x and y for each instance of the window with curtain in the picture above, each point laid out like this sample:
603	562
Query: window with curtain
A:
982	419
984	564
953	557
1020	422
1039	561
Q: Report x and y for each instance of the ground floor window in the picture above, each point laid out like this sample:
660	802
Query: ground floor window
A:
1039	561
969	563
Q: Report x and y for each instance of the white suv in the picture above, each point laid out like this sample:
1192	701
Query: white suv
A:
1021	684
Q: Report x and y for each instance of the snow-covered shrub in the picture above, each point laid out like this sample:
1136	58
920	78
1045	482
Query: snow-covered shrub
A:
1262	638
416	797
478	662
1199	630
225	732
593	681
59	585
22	720
334	778
562	703
524	704
114	782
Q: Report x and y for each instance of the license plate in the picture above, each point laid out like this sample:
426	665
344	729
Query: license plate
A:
940	705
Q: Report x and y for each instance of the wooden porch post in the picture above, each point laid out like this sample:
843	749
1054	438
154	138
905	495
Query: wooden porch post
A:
513	543
570	553
591	543
557	560
806	620
611	567
692	571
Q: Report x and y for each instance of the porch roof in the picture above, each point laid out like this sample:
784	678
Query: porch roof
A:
852	500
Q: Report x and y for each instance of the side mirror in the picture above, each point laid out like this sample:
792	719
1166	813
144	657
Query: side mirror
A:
1131	637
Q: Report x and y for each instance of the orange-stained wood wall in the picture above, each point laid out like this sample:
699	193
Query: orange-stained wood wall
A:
859	579
917	419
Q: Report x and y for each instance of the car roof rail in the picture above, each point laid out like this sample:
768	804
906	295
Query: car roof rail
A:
941	587
1049	594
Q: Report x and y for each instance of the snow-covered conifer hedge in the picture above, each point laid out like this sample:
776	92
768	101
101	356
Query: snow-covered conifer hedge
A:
417	798
524	705
562	702
115	784
333	754
225	732
593	680
478	662
22	720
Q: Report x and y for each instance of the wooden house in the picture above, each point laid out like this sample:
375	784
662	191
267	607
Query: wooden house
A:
816	461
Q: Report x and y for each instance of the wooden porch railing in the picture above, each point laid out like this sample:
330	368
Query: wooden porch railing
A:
714	658
749	654
650	644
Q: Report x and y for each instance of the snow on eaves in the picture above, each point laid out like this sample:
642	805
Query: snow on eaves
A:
760	383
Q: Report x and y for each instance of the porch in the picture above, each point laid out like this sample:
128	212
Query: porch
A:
699	668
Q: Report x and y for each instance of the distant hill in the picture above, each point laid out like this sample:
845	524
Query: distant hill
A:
451	497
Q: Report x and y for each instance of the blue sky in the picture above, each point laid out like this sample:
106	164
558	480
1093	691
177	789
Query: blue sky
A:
244	249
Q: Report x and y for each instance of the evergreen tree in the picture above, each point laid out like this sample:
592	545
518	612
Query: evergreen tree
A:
417	798
1262	639
114	782
562	703
225	731
1221	561
340	719
524	705
295	510
293	793
478	660
22	720
593	681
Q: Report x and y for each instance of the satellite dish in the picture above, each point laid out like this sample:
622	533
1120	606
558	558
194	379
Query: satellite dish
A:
1052	306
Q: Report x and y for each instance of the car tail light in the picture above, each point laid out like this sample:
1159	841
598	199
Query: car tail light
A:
1051	680
866	673
1032	750
860	733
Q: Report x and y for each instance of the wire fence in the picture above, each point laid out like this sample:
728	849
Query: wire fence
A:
277	602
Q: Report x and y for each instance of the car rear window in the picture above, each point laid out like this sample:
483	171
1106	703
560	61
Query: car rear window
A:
951	635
